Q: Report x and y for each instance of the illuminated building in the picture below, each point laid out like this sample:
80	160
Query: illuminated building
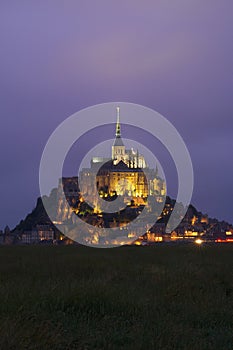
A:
38	234
119	153
125	174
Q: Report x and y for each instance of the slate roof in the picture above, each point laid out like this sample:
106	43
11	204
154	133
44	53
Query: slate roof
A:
118	141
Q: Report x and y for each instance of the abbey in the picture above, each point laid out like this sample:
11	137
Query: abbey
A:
126	173
131	158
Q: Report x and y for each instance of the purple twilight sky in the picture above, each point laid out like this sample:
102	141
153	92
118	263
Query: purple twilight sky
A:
58	57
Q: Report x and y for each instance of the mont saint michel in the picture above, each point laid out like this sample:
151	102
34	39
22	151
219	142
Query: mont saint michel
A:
124	176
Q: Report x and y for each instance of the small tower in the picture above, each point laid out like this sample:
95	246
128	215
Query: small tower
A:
118	148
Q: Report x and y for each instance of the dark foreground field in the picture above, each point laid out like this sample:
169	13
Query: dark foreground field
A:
126	298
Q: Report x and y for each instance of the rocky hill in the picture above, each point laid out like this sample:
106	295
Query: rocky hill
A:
194	220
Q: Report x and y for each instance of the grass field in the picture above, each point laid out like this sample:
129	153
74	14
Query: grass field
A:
159	297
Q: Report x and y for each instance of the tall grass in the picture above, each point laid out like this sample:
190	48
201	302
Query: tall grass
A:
159	297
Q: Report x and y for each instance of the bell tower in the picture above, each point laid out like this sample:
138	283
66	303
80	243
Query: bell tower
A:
118	147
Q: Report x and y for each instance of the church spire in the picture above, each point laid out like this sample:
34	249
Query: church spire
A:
118	126
118	148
